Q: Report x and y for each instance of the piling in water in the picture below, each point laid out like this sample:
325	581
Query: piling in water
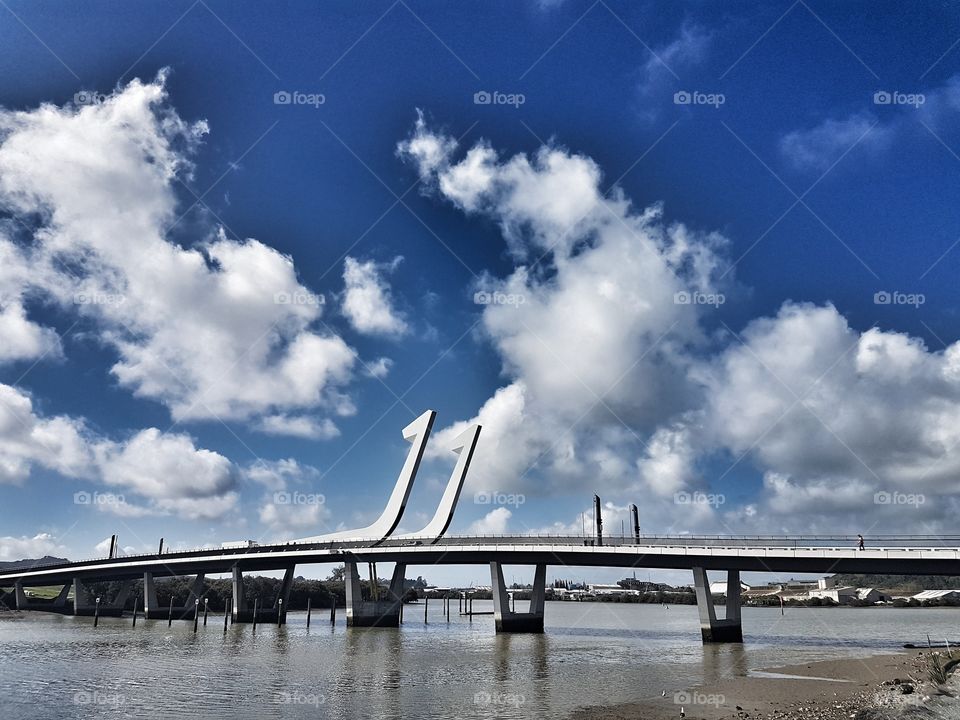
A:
196	614
170	614
279	612
135	601
426	602
256	603
308	612
206	608
96	614
333	611
401	612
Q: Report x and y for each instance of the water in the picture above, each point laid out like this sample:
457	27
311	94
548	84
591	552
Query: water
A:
592	654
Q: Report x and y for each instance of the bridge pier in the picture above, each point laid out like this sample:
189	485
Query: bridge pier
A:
151	608
282	604
729	629
505	619
239	613
373	613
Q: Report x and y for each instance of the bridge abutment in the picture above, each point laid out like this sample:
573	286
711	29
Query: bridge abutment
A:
728	629
505	619
373	612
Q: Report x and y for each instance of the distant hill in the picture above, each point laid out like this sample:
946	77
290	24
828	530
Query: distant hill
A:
20	564
901	582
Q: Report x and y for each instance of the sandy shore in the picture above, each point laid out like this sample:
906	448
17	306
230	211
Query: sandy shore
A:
828	690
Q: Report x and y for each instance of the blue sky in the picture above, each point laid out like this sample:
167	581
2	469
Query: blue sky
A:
718	242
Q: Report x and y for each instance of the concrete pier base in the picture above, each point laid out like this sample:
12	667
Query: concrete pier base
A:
152	610
729	629
505	619
383	612
84	605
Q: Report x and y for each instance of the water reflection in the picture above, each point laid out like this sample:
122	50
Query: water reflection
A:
591	654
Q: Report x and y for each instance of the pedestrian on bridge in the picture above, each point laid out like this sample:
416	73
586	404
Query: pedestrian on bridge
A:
860	542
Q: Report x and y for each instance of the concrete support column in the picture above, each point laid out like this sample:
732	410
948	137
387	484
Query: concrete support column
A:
196	591
121	599
729	629
504	618
20	595
373	613
239	602
284	594
80	604
150	604
60	601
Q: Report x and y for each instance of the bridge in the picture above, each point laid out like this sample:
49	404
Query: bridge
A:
894	554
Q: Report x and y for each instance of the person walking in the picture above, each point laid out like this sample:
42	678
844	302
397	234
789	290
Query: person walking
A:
860	542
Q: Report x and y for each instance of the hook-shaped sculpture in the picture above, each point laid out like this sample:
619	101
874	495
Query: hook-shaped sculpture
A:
416	433
464	445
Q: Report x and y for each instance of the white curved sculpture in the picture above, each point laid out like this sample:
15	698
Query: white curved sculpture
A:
464	445
416	433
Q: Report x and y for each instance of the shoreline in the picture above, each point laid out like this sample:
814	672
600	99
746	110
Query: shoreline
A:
822	690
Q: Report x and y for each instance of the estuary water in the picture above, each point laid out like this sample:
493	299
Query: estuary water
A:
591	654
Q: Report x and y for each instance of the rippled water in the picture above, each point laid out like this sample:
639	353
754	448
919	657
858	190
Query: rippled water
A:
592	653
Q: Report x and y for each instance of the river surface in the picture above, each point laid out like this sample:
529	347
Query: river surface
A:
591	654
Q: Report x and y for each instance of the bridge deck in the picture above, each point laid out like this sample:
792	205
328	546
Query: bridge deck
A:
909	554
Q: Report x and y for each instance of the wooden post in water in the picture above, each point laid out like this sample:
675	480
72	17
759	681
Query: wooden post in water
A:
426	603
279	611
401	612
135	601
196	614
256	603
206	609
226	612
308	612
333	610
96	616
170	613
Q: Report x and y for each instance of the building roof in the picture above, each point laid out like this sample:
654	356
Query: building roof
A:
935	594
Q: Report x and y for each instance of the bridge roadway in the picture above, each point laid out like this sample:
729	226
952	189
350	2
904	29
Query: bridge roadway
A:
894	554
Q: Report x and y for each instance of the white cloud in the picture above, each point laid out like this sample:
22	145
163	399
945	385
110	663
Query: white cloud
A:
591	339
167	471
493	523
34	548
833	416
222	328
165	467
299	426
26	439
367	301
293	502
819	147
609	379
658	75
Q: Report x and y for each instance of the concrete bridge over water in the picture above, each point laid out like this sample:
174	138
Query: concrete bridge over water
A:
904	554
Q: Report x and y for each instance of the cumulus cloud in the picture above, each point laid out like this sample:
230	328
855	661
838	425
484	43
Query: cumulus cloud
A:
292	503
222	328
27	439
36	547
838	419
611	378
367	301
493	523
165	471
588	326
